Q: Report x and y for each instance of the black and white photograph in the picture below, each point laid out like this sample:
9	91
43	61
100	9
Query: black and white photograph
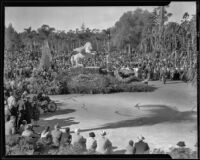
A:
96	80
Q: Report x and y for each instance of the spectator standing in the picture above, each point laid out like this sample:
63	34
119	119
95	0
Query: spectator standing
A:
35	111
10	126
11	100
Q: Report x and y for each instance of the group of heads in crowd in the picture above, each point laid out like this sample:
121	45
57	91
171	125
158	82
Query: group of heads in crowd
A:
62	137
22	63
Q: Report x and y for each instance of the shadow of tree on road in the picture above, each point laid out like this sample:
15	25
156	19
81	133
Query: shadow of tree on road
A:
122	151
57	112
159	114
62	122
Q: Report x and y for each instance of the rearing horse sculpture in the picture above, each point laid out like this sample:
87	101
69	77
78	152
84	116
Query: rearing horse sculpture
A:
81	53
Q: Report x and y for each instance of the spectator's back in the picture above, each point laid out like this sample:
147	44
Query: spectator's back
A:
56	135
104	146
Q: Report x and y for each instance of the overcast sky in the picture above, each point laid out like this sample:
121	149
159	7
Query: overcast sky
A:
66	18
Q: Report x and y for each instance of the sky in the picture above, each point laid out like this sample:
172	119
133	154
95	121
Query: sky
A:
66	18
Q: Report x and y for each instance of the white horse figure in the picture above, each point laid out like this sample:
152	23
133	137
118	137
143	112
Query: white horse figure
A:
81	53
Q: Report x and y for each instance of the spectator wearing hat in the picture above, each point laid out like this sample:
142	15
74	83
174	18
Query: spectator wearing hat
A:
141	147
10	126
56	135
130	148
66	136
78	140
46	136
91	143
104	144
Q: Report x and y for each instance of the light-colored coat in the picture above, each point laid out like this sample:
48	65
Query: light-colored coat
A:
79	139
129	149
10	128
104	146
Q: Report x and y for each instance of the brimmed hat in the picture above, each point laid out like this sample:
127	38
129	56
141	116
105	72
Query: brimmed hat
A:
140	138
77	130
103	133
181	144
91	134
57	126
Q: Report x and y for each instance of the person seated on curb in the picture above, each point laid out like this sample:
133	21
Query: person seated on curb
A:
141	147
28	132
46	137
56	135
79	140
66	137
104	144
91	143
22	126
130	148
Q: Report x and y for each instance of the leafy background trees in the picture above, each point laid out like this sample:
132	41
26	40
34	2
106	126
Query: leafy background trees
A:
140	30
135	30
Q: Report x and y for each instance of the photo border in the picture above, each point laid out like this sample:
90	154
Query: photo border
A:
12	3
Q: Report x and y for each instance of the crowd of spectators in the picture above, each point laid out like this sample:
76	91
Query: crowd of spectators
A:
22	112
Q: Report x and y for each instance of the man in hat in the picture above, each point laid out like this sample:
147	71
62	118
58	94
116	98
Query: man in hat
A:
66	136
56	135
79	140
141	147
91	143
104	144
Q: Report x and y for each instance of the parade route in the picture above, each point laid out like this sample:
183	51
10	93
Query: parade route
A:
164	116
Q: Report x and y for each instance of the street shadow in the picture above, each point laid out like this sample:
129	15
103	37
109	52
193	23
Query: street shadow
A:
51	123
122	151
57	112
158	114
173	82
